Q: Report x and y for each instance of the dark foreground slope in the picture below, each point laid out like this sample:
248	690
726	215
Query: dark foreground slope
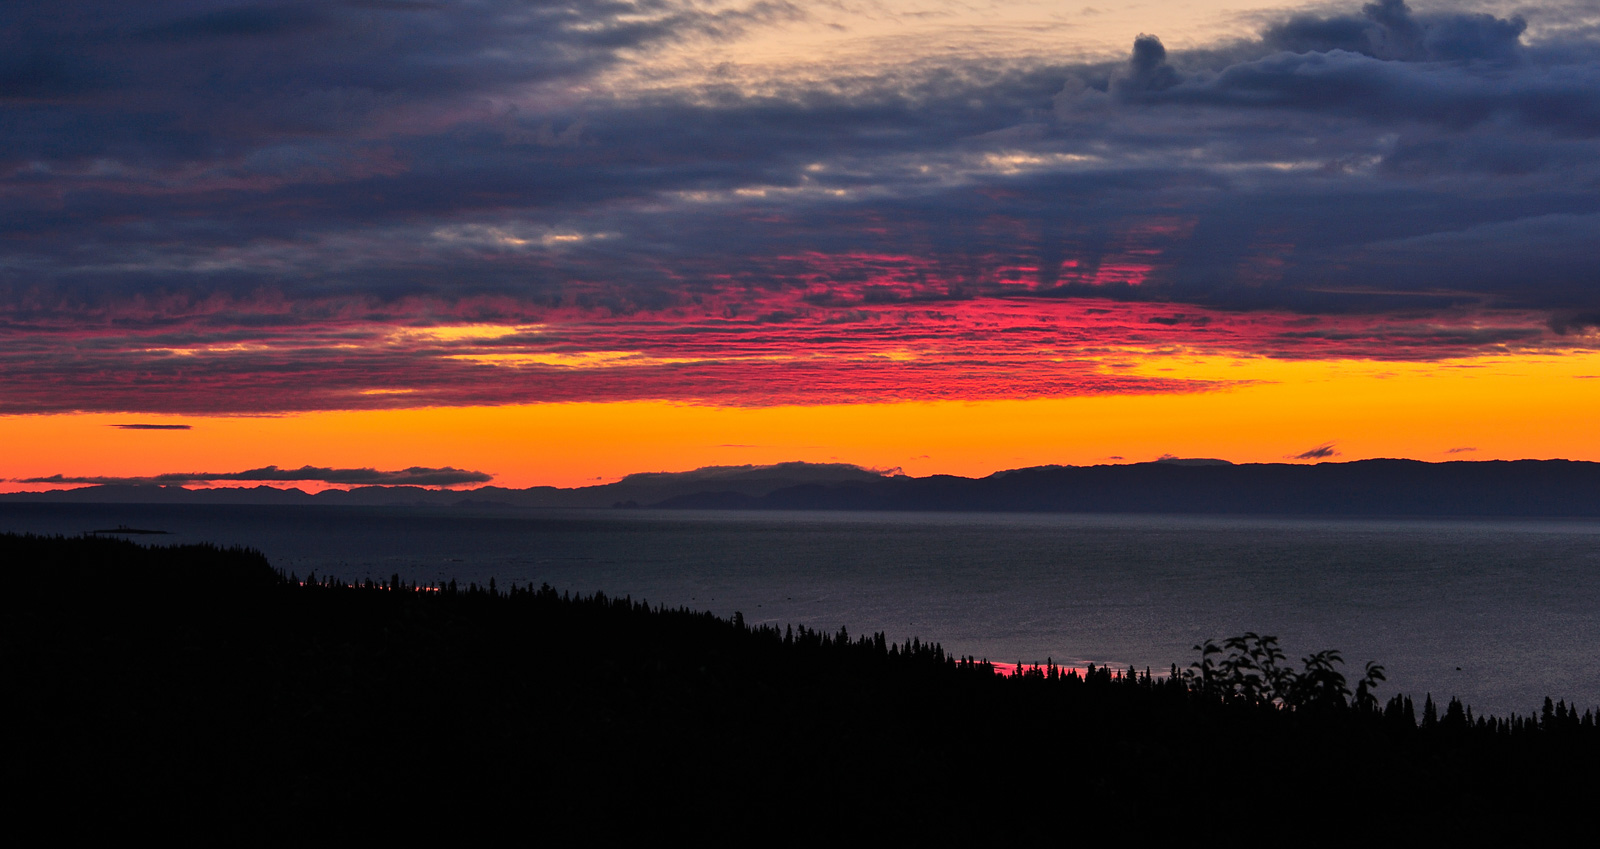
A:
198	689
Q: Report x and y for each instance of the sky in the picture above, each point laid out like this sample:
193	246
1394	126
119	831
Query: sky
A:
448	243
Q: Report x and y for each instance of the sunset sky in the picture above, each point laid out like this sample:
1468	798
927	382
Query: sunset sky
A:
530	242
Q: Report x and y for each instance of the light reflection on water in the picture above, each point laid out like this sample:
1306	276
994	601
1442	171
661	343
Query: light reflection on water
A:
1514	604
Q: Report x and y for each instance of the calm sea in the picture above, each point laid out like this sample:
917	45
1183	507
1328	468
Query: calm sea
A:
1500	613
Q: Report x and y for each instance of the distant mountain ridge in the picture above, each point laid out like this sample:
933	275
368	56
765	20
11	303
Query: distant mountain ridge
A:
1359	488
635	490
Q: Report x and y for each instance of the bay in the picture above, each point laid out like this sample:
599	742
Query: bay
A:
1499	613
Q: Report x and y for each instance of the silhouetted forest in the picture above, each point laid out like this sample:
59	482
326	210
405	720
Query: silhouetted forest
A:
170	684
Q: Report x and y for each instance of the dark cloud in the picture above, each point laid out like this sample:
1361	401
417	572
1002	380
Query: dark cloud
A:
1462	450
1147	69
1321	452
1561	100
160	84
1395	34
137	426
1307	34
245	22
1389	30
413	476
1566	322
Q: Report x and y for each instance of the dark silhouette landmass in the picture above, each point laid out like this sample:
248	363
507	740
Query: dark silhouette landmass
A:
1360	488
193	683
1390	488
643	489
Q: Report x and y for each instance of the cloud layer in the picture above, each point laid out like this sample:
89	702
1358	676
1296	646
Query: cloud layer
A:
257	207
413	476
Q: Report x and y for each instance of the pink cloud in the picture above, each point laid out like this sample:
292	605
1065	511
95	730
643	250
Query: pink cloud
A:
737	346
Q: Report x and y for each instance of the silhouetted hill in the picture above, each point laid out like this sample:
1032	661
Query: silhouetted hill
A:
1523	488
1360	488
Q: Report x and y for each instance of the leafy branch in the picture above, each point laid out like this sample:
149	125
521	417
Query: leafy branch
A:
1249	669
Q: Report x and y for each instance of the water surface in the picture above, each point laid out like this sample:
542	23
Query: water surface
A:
1500	613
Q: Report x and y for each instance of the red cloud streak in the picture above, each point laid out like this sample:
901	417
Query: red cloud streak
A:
843	343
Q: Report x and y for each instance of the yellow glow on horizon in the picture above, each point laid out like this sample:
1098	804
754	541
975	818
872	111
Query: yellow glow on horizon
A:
1511	407
577	359
464	332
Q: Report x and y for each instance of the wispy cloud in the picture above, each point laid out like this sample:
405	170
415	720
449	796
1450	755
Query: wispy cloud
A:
413	476
140	426
1321	452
